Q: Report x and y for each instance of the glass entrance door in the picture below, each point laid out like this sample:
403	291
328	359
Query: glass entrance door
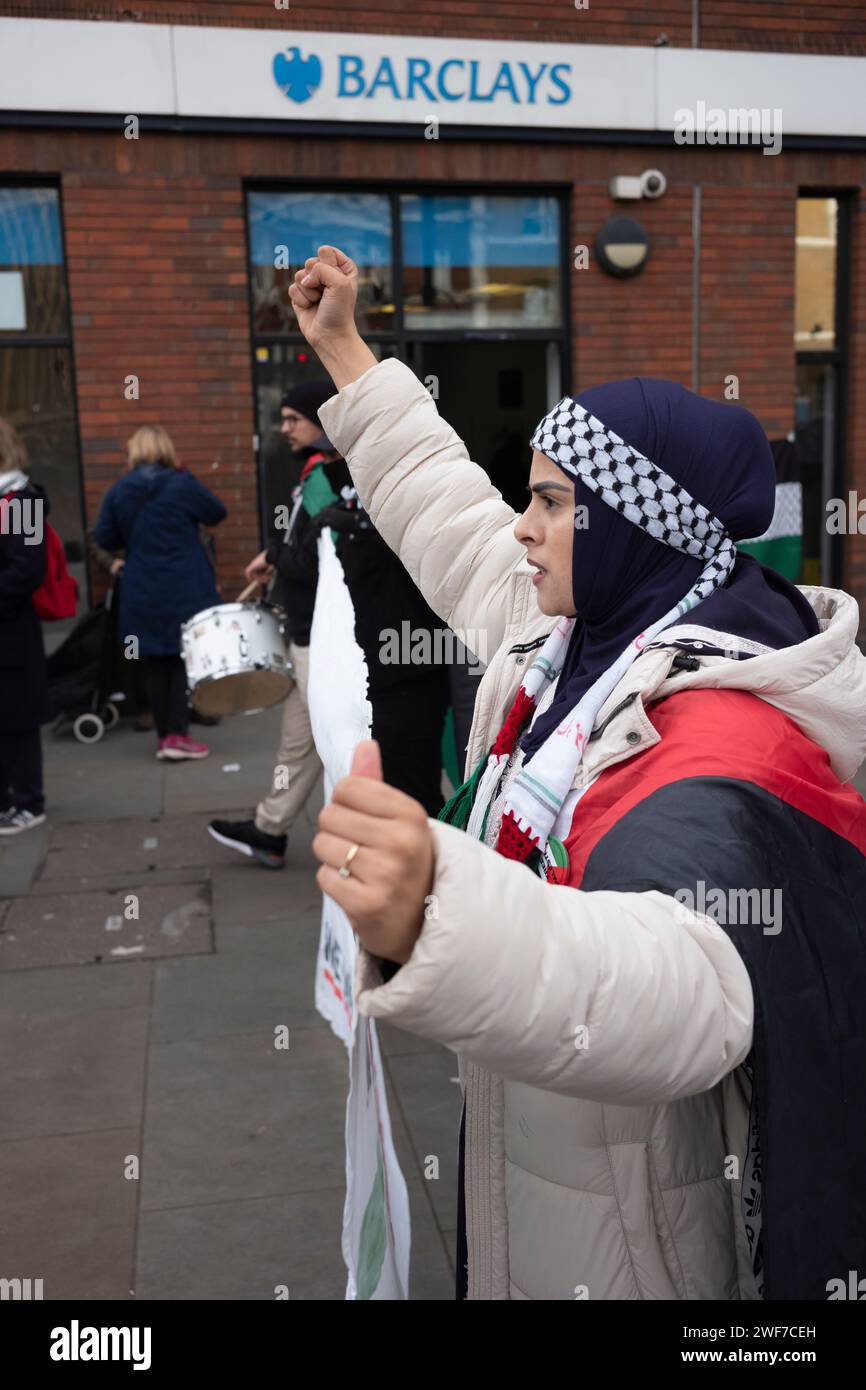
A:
493	394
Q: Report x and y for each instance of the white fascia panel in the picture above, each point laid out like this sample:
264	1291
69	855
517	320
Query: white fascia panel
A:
817	94
83	65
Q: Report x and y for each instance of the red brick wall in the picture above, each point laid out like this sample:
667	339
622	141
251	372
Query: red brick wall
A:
823	26
157	280
640	326
605	21
747	299
644	326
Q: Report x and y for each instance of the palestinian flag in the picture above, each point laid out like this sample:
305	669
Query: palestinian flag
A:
781	546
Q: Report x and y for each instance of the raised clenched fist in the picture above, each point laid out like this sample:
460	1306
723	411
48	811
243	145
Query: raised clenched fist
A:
323	296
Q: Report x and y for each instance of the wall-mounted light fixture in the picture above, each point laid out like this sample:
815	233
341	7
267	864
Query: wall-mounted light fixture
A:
622	246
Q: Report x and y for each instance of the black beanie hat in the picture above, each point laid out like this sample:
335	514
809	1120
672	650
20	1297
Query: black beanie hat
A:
307	396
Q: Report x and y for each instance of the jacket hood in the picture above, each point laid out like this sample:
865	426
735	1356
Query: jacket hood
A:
149	474
819	683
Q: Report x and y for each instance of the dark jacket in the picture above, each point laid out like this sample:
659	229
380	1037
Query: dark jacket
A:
296	562
391	617
154	513
383	596
23	682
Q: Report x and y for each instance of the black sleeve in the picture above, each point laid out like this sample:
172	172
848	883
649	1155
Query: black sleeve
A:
296	559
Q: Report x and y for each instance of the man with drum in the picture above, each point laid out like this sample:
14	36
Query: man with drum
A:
264	838
409	698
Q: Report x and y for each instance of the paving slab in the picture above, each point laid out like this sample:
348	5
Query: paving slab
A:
20	860
243	751
80	928
234	1117
117	777
431	1270
74	1049
246	1250
133	846
194	874
67	1213
259	978
68	992
243	892
243	1250
430	1103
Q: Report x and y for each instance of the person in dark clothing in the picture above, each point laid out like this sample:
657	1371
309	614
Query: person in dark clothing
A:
132	680
409	699
23	679
264	836
403	644
154	514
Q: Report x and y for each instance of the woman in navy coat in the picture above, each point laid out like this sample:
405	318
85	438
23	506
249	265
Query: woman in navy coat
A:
153	513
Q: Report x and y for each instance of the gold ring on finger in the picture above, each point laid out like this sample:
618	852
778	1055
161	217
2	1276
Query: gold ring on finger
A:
345	870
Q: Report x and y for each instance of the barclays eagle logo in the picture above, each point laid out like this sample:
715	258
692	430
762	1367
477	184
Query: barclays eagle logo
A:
298	77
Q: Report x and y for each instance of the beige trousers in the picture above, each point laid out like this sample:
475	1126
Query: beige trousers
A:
297	768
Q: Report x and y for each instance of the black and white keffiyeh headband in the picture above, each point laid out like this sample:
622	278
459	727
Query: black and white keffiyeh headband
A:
636	488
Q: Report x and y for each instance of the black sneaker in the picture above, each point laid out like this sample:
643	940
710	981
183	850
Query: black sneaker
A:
243	836
13	821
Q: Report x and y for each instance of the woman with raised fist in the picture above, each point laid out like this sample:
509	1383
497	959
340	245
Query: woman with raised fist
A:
648	938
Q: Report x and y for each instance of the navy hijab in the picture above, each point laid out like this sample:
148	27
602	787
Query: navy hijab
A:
623	579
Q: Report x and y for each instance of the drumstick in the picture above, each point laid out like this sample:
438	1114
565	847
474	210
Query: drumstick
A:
247	591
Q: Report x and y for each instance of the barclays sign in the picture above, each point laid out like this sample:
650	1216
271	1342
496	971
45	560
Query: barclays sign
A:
394	79
230	74
408	78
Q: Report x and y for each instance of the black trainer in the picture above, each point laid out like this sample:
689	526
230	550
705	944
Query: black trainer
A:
243	836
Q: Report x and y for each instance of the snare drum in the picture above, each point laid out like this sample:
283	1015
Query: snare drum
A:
236	658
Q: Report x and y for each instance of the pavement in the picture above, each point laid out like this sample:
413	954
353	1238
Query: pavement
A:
153	1142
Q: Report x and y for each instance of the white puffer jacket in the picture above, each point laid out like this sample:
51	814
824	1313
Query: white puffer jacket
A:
596	1171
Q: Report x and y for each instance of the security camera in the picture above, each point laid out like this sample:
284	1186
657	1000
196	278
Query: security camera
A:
653	183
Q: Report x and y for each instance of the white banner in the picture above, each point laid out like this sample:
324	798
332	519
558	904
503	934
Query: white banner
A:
376	1226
